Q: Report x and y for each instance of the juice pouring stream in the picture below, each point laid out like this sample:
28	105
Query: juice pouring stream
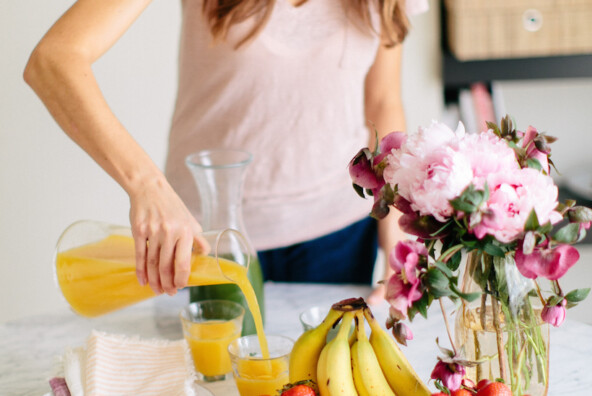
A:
219	176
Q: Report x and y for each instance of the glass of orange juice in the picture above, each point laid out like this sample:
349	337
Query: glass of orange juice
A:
208	327
255	374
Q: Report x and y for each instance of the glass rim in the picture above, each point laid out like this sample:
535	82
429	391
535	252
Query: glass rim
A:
191	159
183	312
234	356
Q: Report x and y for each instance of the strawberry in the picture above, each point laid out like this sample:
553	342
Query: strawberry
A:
495	389
300	388
461	392
482	384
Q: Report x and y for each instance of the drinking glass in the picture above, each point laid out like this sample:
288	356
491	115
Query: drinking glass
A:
208	327
255	375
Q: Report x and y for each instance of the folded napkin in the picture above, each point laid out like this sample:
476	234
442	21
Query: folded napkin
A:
113	364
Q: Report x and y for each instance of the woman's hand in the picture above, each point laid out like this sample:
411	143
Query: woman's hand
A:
165	234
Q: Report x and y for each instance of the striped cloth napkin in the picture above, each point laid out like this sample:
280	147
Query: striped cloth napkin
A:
112	365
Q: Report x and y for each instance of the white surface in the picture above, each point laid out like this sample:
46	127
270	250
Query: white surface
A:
30	346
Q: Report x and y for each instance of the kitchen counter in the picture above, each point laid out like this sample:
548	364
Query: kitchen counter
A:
29	347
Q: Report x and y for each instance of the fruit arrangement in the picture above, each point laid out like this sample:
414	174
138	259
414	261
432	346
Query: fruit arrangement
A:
483	388
353	363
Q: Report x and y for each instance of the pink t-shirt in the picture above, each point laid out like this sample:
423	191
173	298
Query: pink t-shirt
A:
294	98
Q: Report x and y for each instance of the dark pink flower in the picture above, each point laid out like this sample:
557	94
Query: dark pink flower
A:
402	333
451	374
554	315
551	263
361	171
401	295
392	141
405	257
532	151
403	288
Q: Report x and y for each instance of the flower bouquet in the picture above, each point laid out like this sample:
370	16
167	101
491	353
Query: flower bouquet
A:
486	199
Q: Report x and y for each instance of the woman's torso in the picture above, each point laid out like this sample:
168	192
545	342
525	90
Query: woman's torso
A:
294	98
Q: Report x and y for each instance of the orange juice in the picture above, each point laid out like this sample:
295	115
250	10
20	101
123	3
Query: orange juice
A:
100	277
261	377
208	342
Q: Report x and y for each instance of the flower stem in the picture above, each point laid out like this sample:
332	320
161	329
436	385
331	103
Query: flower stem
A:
538	290
447	325
499	338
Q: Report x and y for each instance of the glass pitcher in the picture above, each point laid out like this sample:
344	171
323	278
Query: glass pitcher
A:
219	176
95	266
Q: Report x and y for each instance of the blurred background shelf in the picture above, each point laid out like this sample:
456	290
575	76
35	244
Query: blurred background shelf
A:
458	74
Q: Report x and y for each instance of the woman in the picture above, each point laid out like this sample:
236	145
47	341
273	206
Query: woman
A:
298	83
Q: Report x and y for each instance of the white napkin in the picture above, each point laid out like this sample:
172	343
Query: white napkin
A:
113	364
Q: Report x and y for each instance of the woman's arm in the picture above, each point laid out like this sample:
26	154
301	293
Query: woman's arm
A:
384	114
59	71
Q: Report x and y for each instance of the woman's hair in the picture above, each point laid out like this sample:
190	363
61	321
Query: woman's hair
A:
222	14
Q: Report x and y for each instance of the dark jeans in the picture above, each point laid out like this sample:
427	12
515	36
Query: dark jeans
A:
345	256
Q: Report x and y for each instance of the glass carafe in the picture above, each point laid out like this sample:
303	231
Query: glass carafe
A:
95	266
219	176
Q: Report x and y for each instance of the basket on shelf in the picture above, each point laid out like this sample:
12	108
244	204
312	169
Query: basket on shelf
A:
486	29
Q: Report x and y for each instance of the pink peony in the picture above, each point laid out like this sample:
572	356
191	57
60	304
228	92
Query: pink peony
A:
487	154
429	171
451	374
513	195
392	141
551	263
554	315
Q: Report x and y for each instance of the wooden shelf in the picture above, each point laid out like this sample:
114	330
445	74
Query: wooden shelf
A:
458	74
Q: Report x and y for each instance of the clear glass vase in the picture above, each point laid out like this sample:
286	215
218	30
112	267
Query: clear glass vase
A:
219	176
502	330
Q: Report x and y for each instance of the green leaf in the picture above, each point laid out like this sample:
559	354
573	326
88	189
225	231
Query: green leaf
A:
421	306
554	300
532	222
567	234
437	283
465	296
462	206
454	262
359	190
493	126
534	164
577	295
493	250
444	268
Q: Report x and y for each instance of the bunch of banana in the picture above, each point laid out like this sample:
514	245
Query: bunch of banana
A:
351	363
307	349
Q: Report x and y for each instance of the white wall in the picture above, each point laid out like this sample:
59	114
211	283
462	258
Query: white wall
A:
47	182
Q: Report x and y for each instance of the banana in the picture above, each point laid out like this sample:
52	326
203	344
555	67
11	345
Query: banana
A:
334	371
368	377
306	350
399	373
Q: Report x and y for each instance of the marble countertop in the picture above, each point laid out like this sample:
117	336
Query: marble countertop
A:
29	347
